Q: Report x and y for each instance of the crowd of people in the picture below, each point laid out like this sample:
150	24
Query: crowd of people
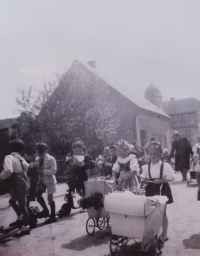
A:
129	166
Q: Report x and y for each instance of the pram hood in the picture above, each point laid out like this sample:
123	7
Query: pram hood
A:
132	205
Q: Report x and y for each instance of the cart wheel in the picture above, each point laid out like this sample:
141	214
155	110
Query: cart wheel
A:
198	195
123	241
101	223
160	246
90	226
114	244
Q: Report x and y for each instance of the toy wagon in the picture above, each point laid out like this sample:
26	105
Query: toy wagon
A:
97	218
136	220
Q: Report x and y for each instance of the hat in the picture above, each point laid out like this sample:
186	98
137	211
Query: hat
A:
77	143
176	133
41	147
113	146
124	144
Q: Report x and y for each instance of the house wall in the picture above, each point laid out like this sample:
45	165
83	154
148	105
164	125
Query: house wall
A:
153	125
187	124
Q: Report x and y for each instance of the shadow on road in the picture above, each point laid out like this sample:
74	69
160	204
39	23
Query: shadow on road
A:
86	241
193	242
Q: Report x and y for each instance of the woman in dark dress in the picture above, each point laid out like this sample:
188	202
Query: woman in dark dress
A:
183	151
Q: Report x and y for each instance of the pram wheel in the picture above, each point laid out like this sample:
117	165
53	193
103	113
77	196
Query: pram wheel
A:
198	195
90	226
114	244
101	223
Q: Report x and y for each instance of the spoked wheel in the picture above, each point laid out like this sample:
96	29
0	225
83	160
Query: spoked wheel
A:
160	246
124	241
114	244
101	223
90	226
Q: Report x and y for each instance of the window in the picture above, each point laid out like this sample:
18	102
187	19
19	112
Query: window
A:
175	118
164	141
160	138
184	118
143	138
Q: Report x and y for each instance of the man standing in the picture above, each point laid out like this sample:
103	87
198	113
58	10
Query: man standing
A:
15	168
183	150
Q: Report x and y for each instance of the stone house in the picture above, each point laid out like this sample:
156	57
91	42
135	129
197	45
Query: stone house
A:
185	117
140	118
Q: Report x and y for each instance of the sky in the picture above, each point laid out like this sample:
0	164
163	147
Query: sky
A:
134	42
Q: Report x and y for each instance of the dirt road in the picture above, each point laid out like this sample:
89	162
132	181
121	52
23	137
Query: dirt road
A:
68	236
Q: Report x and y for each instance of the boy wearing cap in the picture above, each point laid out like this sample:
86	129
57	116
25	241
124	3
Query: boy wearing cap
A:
47	168
78	163
15	168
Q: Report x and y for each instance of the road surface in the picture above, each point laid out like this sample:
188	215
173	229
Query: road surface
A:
68	235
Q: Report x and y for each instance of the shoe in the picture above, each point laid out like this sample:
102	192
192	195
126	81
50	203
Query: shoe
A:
50	220
43	214
22	232
17	223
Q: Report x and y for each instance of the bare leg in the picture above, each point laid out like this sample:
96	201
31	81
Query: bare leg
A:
164	227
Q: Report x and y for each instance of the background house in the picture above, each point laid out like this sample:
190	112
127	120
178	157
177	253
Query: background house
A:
185	117
140	118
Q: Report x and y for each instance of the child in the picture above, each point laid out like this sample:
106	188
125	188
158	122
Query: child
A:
47	168
77	165
157	174
127	166
15	168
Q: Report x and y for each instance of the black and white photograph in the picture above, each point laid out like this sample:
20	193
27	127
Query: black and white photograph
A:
99	127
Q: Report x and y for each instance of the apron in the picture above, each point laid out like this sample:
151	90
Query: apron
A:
162	189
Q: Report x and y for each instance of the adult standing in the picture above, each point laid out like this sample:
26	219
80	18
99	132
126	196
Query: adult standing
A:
183	151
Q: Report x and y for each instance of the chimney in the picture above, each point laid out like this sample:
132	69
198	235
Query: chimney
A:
171	99
92	63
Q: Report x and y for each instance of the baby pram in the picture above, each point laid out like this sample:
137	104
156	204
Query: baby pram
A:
137	219
191	175
97	218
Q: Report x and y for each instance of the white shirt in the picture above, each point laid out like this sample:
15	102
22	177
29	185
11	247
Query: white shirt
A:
168	172
12	164
133	163
195	148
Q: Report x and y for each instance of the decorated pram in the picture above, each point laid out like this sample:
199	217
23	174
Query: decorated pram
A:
192	174
95	191
137	219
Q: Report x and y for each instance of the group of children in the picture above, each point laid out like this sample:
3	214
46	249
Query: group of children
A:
118	162
156	173
30	181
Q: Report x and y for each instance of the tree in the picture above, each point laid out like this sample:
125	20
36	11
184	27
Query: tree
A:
77	107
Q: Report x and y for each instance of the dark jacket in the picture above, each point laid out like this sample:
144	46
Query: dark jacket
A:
183	151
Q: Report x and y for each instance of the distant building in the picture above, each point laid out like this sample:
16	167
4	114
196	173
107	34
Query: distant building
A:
185	116
140	118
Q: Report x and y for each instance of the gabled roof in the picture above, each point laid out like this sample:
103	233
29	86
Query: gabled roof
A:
139	101
6	123
181	106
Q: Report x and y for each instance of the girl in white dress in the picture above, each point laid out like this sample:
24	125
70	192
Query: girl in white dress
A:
127	166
